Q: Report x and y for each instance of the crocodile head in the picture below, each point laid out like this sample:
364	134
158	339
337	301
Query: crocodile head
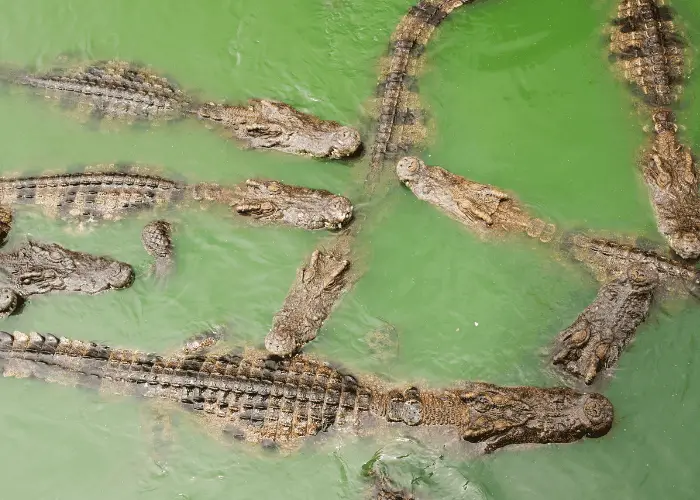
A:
410	170
499	416
280	126
37	267
273	201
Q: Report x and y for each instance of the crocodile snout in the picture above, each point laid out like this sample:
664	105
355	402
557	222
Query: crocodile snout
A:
119	275
346	141
599	413
408	168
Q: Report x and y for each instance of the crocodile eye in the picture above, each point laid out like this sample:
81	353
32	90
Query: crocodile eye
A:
273	187
55	256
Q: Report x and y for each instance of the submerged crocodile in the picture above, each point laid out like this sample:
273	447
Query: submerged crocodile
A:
482	208
112	195
36	268
157	240
262	398
647	49
672	178
118	89
610	259
595	341
317	288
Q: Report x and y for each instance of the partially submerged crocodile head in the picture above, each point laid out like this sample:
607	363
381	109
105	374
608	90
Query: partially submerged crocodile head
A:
267	124
292	131
273	201
36	268
500	416
410	170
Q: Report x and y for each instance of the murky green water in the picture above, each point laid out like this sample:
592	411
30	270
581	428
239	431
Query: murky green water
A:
522	97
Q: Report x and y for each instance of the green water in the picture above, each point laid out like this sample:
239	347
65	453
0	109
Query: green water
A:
522	97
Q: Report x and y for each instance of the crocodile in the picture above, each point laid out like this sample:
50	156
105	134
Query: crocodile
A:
595	340
316	289
87	196
398	127
35	268
482	208
609	260
157	240
262	398
125	91
647	50
671	175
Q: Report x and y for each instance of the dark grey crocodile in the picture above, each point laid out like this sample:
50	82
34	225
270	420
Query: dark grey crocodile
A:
36	268
594	342
157	240
121	90
261	398
90	196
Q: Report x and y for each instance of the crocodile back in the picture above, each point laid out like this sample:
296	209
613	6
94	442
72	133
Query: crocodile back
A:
114	89
89	195
257	397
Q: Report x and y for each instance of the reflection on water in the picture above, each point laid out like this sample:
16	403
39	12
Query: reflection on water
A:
521	96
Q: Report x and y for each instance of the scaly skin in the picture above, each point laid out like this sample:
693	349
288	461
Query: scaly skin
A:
36	268
647	50
120	90
261	398
114	89
157	240
265	124
398	129
113	195
671	175
317	288
594	342
482	208
609	260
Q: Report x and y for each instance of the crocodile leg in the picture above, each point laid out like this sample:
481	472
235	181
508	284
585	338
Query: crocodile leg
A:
200	343
159	428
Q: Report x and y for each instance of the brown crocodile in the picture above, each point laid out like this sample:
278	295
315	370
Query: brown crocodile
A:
157	240
35	268
609	260
595	340
111	195
262	398
482	208
317	288
121	90
398	126
647	49
671	175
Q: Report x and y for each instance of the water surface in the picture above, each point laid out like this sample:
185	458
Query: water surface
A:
521	96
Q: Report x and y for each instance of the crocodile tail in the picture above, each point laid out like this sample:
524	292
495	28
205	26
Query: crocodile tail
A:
10	74
51	359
